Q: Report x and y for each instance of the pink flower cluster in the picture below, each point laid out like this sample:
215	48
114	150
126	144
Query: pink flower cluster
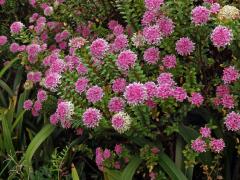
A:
135	93
116	104
126	60
3	40
221	36
2	2
232	121
99	47
103	155
15	47
81	84
121	122
153	5
152	34
224	97
169	61
64	112
119	85
204	142
94	94
151	55
34	76
230	74
91	117
200	15
196	99
16	27
184	46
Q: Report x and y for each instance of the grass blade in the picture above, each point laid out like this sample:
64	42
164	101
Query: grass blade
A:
74	173
131	168
6	67
41	136
170	168
4	86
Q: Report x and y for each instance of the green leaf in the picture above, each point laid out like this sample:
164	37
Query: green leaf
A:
7	67
6	131
170	168
130	169
112	174
41	136
188	133
74	173
4	86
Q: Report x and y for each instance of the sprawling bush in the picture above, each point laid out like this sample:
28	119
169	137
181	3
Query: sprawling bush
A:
129	87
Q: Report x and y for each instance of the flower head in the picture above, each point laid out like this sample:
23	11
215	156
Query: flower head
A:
164	91
81	85
185	46
16	27
120	42
41	95
217	145
27	105
153	5
166	78
3	40
196	99
166	26
200	15
229	13
99	47
119	85
121	122
221	36
199	145
91	117
94	94
126	60
151	55
52	80
169	61
230	74
232	121
135	93
205	132
152	34
116	104
179	94
148	17
151	89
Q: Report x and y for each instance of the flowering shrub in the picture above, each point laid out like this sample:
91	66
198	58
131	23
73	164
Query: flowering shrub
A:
174	77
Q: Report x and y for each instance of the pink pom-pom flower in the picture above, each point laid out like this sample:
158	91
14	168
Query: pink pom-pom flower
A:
81	84
151	55
230	74
232	121
116	104
200	15
217	145
221	36
126	60
199	145
94	94
91	117
99	47
121	122
184	46
196	99
27	105
135	93
16	27
3	40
